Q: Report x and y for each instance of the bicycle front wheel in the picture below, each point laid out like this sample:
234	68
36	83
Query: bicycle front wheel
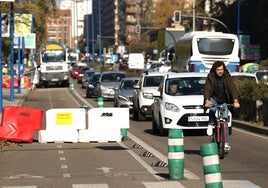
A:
221	143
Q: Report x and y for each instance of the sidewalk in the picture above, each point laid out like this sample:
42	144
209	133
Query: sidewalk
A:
18	98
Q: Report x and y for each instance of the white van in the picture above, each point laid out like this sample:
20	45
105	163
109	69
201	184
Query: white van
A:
136	61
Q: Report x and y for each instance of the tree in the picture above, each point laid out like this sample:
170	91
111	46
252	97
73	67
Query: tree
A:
42	11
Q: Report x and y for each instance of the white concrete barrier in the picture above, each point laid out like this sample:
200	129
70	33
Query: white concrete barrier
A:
62	125
105	124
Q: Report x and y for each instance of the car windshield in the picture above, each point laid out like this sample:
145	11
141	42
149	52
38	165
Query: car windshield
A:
112	77
94	77
186	86
128	84
262	76
152	81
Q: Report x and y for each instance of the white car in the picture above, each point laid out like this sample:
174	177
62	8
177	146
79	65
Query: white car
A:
184	110
143	94
244	76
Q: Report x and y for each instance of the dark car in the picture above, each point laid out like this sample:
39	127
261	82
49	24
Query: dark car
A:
87	75
91	87
108	81
124	93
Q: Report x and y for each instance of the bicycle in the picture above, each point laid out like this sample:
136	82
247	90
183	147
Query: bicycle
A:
220	130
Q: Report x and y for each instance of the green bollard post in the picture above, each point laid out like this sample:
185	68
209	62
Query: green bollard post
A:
100	102
211	165
175	154
123	133
71	88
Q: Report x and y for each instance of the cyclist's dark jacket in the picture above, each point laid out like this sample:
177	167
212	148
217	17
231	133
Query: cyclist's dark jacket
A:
231	92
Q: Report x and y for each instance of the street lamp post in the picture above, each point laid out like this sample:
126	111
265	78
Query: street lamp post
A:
238	18
193	15
100	55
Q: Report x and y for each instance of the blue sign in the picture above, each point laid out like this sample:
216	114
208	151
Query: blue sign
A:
114	58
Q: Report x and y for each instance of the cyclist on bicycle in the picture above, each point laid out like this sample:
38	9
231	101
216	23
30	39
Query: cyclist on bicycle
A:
220	90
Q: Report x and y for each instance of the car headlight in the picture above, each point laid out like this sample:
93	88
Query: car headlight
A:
147	95
102	87
122	98
171	107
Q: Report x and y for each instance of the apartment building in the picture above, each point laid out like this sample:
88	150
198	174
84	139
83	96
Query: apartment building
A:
59	29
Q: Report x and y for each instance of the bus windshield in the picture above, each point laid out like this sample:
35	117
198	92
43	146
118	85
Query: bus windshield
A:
214	46
53	56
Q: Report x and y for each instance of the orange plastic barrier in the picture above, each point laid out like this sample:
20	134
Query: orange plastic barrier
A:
18	123
25	81
6	81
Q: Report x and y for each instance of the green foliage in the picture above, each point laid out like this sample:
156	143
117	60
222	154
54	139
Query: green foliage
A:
42	11
249	90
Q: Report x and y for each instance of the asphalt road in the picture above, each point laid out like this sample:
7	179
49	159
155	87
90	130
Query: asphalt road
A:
140	161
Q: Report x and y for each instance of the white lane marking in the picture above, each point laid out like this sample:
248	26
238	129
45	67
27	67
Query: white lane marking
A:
20	187
105	169
187	174
62	158
64	166
143	163
238	184
250	133
66	175
103	185
23	176
168	184
60	151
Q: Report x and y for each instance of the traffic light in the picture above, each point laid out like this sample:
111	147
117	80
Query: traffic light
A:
177	16
138	29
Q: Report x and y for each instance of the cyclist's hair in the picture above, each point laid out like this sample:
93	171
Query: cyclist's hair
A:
217	64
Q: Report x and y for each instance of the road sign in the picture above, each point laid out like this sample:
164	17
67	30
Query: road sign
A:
114	58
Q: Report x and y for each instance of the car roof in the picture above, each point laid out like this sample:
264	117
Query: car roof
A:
131	78
112	72
242	74
154	73
185	74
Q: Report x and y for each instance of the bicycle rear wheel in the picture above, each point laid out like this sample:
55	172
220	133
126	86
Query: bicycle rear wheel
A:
221	143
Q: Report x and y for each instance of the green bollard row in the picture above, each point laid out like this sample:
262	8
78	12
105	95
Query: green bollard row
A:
175	154
72	88
100	102
211	165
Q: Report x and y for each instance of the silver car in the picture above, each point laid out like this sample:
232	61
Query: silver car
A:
108	81
124	93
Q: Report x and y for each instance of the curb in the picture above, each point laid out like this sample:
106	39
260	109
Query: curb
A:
247	126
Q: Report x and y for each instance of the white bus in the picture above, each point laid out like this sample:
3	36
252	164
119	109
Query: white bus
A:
197	51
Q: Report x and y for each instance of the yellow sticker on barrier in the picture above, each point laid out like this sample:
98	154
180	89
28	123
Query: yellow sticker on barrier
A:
64	118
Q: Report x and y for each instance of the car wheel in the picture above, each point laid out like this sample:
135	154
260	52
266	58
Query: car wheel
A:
141	117
154	126
163	132
135	116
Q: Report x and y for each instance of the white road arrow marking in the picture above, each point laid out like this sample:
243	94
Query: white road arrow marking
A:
105	169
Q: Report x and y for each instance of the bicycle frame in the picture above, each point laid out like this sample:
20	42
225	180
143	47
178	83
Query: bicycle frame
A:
220	130
219	125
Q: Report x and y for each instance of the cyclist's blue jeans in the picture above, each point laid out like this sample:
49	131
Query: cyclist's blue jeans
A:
212	118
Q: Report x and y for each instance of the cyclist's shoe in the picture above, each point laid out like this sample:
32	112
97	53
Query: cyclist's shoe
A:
227	147
210	130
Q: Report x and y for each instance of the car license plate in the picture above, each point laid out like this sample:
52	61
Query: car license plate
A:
197	118
55	80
